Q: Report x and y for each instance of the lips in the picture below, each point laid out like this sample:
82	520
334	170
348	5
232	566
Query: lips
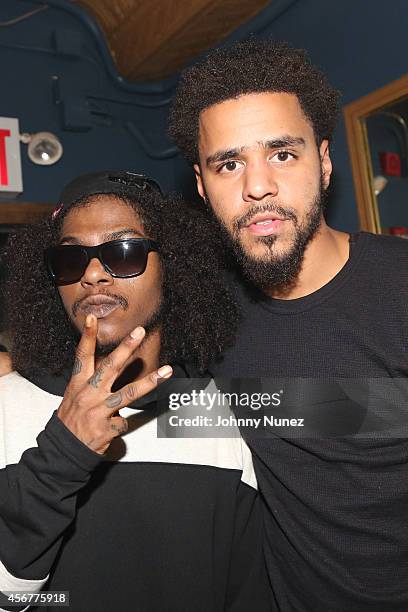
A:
265	224
99	305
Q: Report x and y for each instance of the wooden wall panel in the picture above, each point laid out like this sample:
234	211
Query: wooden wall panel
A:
23	212
151	39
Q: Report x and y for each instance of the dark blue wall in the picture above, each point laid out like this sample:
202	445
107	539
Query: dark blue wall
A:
359	43
50	88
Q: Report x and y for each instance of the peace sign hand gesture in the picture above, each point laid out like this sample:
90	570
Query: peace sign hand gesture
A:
89	409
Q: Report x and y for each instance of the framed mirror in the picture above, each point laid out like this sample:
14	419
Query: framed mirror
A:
377	134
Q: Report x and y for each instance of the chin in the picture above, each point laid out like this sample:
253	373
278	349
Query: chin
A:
106	346
260	252
108	339
269	248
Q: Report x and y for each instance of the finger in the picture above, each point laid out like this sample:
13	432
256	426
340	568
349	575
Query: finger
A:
119	425
113	364
84	362
137	389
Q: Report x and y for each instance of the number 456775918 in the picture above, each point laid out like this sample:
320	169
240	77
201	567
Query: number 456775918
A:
17	598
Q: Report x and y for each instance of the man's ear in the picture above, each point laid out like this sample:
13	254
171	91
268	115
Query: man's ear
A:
325	162
200	185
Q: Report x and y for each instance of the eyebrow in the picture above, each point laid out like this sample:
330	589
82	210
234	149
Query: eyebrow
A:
273	143
106	237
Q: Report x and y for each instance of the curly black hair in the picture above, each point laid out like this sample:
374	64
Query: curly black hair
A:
251	66
200	316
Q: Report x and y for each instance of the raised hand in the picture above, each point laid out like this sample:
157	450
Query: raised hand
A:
89	409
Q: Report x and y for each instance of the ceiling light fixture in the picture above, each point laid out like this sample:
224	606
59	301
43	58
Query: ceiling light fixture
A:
44	148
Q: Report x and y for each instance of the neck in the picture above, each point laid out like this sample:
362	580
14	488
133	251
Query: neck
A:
324	257
143	361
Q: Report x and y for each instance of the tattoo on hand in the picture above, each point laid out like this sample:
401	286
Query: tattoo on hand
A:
77	366
114	400
96	378
118	429
130	392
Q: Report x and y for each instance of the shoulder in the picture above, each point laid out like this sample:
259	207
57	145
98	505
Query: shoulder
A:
18	395
24	411
382	262
13	382
387	246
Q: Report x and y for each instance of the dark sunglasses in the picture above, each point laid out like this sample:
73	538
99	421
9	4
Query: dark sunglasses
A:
121	258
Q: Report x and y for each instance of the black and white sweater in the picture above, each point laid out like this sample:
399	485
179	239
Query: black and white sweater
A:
157	524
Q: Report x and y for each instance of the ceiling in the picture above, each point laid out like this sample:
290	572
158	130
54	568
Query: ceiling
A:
152	39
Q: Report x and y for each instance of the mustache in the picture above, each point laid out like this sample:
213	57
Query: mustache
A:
284	213
119	299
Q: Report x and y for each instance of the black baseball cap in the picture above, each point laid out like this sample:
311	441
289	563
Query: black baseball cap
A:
106	181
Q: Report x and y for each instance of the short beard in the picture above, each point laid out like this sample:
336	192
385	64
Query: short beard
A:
151	324
278	272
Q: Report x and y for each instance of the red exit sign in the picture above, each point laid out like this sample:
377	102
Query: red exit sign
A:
11	179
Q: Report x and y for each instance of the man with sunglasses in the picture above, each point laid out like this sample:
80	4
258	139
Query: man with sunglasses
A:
92	501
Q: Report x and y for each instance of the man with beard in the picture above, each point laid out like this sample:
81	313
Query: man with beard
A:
256	120
94	504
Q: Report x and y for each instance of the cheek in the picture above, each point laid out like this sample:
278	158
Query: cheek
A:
225	204
312	174
223	216
67	295
145	291
144	297
298	189
311	188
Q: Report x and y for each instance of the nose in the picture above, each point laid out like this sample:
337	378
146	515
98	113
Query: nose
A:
95	274
259	182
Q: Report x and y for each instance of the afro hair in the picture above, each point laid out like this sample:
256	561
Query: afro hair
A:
199	312
252	66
